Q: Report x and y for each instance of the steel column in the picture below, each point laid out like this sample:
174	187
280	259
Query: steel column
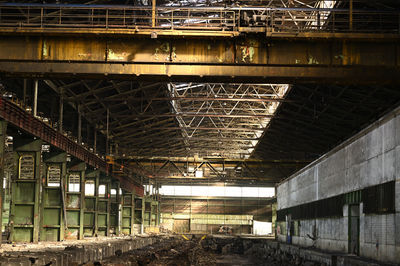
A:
115	208
351	15
138	214
35	96
127	213
75	200
91	204
53	201
24	92
153	13
24	217
3	135
61	112
103	207
79	125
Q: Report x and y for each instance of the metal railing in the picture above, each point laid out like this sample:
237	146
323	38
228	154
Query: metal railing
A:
115	17
329	21
202	18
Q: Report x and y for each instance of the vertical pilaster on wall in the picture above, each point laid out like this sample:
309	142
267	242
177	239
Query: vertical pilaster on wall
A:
138	215
397	206
127	212
133	214
154	214
158	213
147	212
3	135
151	212
75	200
143	214
115	207
24	217
157	198
103	206
53	196
90	222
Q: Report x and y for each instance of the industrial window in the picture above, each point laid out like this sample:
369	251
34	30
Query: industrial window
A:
27	166
330	207
102	191
281	215
218	191
379	199
281	228
89	187
74	182
296	228
53	175
376	199
113	193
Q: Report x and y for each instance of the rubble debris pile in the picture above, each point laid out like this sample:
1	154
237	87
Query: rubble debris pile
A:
207	251
169	251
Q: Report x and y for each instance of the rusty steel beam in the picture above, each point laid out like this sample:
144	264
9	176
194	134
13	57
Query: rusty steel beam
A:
30	124
203	98
220	162
205	73
251	60
25	121
196	115
132	33
241	129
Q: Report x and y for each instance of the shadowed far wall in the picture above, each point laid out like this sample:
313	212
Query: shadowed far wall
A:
207	215
348	200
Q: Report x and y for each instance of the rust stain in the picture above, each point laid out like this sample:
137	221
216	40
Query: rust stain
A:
85	55
312	60
162	49
247	53
115	56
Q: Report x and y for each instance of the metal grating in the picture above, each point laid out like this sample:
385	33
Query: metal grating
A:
27	167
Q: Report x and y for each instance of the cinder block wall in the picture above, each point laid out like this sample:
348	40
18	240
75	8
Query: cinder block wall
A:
369	158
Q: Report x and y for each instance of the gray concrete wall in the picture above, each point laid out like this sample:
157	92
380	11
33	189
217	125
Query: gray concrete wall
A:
369	158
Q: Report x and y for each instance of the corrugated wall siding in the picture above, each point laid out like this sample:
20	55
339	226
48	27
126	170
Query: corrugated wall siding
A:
207	215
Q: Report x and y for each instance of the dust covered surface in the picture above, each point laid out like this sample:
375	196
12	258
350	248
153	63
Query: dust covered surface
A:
169	251
198	250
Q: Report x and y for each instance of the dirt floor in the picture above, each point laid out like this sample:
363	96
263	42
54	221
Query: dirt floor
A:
201	250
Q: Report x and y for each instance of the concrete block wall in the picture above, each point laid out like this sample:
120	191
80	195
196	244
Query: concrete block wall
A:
369	158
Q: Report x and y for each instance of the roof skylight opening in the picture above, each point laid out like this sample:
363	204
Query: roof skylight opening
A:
225	120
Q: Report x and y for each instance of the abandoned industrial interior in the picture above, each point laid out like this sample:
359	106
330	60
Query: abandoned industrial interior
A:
200	132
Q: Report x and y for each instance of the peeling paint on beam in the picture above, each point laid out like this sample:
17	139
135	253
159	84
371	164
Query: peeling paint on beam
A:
248	74
251	60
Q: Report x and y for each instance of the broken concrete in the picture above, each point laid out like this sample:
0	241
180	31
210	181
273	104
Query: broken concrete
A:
70	252
174	250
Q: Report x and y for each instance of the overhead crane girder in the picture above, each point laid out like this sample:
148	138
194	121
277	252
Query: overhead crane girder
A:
250	59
